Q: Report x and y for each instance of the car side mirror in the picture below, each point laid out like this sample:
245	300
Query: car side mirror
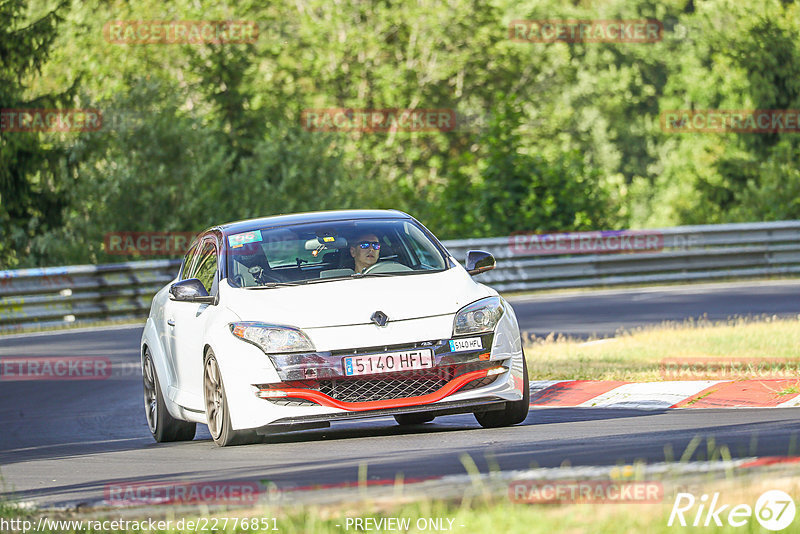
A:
479	261
190	290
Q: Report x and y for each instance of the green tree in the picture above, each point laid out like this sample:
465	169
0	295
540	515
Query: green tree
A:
160	168
32	180
739	56
520	190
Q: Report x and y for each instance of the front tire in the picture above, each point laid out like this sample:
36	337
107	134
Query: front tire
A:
217	412
515	411
162	425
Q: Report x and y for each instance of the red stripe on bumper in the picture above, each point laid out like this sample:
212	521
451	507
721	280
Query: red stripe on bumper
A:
324	400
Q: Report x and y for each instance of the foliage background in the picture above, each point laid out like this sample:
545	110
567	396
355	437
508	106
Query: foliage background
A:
551	137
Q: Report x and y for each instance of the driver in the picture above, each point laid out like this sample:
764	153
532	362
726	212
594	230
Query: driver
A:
365	251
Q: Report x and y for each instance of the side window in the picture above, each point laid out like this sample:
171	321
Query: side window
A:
187	262
206	267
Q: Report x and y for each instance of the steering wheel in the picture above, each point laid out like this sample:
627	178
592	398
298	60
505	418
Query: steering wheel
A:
381	264
370	268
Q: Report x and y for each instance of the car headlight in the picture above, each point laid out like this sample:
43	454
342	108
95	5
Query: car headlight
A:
272	339
479	317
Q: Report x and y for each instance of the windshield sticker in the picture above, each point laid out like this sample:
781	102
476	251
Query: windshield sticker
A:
240	240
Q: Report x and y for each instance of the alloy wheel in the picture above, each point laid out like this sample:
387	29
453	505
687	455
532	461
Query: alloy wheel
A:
150	395
215	402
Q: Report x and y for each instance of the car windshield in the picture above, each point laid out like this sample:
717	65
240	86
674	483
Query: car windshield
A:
320	252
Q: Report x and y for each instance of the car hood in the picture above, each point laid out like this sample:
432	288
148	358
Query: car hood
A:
353	301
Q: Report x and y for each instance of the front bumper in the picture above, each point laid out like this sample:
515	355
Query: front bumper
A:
305	422
312	388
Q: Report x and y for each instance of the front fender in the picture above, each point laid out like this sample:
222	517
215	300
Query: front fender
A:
241	365
507	345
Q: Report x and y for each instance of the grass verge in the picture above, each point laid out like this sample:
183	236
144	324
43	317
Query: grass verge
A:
473	513
639	355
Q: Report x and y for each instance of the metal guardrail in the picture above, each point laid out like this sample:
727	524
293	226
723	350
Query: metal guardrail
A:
85	293
53	296
688	253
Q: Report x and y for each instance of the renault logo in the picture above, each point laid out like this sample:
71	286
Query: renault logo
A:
379	318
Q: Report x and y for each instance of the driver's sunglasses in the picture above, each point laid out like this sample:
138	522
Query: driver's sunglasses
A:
365	245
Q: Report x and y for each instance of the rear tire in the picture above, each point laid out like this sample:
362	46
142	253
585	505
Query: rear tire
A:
217	413
515	411
162	425
413	418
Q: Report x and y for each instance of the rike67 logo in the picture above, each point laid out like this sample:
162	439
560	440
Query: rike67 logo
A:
774	510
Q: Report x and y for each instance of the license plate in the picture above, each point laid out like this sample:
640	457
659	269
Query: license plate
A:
470	343
390	362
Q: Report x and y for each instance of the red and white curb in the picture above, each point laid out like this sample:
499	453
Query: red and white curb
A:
777	393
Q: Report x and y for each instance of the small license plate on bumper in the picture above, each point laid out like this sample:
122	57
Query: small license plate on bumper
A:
470	343
390	362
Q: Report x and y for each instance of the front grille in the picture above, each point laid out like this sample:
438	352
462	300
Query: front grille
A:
475	384
390	386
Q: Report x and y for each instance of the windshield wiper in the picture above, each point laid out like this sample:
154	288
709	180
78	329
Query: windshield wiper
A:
320	280
395	273
270	285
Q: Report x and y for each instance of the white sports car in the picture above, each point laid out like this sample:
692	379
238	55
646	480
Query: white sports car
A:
293	321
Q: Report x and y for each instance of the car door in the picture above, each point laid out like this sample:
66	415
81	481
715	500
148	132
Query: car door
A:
186	324
163	316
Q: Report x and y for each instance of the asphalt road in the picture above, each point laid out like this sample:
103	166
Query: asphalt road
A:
65	441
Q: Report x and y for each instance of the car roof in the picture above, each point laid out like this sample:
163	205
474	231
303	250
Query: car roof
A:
309	217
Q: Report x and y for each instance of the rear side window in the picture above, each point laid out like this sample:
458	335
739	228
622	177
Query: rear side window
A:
206	265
